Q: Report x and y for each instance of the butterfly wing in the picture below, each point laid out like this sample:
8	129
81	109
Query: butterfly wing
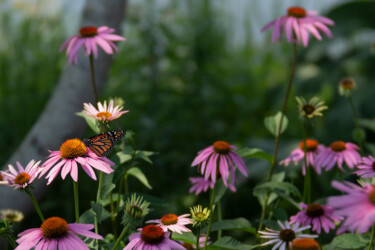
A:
102	144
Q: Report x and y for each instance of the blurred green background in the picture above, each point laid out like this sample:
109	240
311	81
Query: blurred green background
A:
191	73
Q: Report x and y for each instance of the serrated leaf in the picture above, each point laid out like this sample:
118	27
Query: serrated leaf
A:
90	121
285	186
347	241
187	237
137	173
272	123
254	153
240	224
229	243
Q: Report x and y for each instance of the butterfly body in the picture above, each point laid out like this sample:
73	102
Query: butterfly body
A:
102	144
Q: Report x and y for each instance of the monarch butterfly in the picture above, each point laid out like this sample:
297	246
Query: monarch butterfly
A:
102	144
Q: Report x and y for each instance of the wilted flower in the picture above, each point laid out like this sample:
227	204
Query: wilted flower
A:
297	24
72	152
135	210
346	86
199	216
312	108
56	233
22	177
89	37
11	215
313	148
173	223
283	238
319	216
220	158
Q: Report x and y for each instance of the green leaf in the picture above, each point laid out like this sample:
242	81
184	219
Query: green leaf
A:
106	190
285	186
229	243
262	193
121	157
280	214
137	173
254	153
347	241
367	123
97	209
272	123
240	224
90	121
187	237
220	190
144	155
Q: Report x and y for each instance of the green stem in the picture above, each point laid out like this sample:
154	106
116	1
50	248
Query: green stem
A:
356	123
122	235
340	175
372	238
35	205
119	196
93	78
198	235
211	213
10	238
76	200
97	201
113	215
278	132
307	183
219	218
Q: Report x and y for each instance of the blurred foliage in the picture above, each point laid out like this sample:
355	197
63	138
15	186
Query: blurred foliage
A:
187	85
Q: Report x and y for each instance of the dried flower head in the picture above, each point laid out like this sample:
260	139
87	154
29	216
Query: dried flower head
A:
312	108
199	216
346	86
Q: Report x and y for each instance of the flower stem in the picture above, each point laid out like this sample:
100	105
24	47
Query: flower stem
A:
307	183
219	218
76	200
372	238
10	238
278	132
93	77
356	123
35	205
198	235
211	213
122	235
113	215
97	201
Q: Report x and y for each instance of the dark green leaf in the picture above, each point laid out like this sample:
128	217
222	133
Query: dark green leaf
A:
187	237
229	243
285	186
240	224
254	153
106	190
121	157
367	123
97	209
137	173
347	241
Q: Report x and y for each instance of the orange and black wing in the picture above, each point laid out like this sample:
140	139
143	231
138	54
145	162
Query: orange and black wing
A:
102	144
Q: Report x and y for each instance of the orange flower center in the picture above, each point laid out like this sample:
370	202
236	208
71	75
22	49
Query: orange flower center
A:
22	178
152	234
88	31
305	244
296	12
169	219
287	235
104	115
314	210
372	195
338	146
221	147
311	145
347	83
72	148
54	228
1	177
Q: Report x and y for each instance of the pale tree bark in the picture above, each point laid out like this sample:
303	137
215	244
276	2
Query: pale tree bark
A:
58	121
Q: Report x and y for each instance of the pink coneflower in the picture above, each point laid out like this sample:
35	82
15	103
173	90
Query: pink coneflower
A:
200	184
56	233
22	177
298	23
89	37
366	167
71	152
337	153
357	206
320	216
104	113
283	238
173	223
220	154
152	237
313	148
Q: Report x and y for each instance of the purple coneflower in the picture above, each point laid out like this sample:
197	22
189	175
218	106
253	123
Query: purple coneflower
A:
220	155
56	233
337	153
312	150
20	178
283	238
357	206
104	113
152	237
320	216
71	152
89	37
366	167
297	24
173	223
